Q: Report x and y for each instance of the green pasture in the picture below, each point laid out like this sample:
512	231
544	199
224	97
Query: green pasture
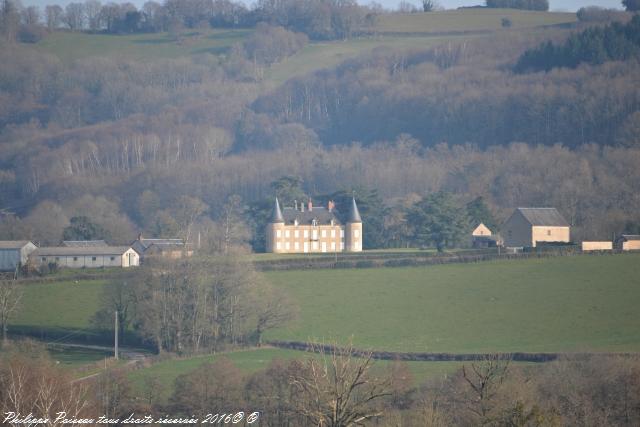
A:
70	46
67	304
578	303
467	20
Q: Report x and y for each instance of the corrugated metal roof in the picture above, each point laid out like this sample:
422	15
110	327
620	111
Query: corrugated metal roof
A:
81	251
320	214
160	242
544	217
84	243
13	244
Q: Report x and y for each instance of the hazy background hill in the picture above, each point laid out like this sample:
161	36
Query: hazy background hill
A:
152	124
564	5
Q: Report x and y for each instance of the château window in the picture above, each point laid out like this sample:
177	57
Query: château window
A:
278	233
324	233
306	234
75	258
333	233
93	258
548	232
296	233
356	233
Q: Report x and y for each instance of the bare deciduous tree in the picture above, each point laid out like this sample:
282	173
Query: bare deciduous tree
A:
10	295
339	389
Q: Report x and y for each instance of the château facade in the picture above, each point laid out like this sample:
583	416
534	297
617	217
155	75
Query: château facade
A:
313	229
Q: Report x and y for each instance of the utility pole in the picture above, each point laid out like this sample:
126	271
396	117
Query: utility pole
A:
116	340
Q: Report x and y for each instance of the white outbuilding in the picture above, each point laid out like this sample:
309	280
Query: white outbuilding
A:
86	256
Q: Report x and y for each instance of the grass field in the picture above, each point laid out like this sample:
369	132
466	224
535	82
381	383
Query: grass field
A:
69	46
59	305
250	361
573	303
468	20
555	304
405	31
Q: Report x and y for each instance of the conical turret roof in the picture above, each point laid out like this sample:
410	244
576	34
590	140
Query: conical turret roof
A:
276	215
354	214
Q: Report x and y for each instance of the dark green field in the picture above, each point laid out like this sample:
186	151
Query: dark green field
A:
577	303
71	46
580	303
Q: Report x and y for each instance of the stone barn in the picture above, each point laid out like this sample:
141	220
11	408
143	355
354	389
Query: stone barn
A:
528	227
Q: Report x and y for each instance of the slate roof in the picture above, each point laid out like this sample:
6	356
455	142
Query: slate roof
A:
544	217
320	214
354	213
80	251
13	244
84	243
276	215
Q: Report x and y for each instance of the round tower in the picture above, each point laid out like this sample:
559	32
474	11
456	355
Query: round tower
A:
275	230
353	229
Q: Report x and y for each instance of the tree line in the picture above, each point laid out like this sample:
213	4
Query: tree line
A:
595	45
318	19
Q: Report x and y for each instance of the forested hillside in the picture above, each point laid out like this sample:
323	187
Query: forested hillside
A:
160	144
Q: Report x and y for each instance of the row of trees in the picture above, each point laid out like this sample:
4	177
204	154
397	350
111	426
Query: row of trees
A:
319	19
196	305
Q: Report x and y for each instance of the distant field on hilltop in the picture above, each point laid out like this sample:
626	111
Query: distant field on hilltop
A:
579	303
468	20
420	31
70	46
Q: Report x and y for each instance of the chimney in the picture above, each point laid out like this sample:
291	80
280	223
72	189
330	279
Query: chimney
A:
301	207
295	203
330	205
139	236
310	205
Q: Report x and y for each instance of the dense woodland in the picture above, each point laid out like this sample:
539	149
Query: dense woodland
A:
175	147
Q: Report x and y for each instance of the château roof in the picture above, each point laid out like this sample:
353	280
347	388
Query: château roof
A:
354	213
322	216
276	215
